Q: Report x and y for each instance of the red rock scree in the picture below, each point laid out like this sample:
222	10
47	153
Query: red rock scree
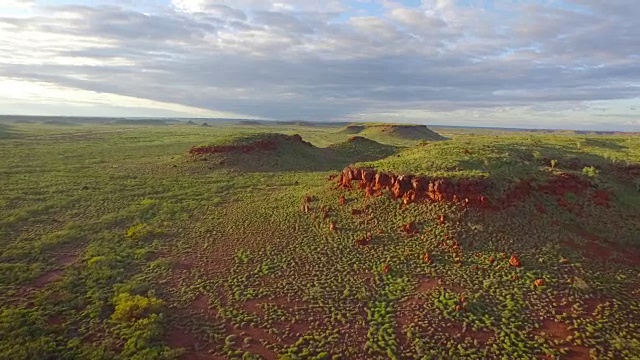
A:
467	192
258	145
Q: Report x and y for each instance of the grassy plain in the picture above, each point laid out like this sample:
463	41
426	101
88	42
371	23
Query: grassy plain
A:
116	244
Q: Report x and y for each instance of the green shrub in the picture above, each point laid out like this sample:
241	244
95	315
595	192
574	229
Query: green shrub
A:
140	232
131	307
590	171
97	260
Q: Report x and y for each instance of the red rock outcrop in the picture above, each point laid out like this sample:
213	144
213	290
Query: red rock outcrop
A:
382	181
410	228
514	261
467	192
411	188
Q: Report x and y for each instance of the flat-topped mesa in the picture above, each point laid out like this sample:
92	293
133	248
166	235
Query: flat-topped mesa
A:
269	144
414	187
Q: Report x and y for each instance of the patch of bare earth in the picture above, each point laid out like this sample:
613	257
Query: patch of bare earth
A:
48	278
601	249
553	330
202	304
55	320
260	338
180	335
62	260
66	258
409	309
253	306
458	331
590	305
182	338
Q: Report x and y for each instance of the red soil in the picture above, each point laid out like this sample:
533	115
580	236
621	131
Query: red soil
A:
455	330
555	329
48	277
559	331
426	284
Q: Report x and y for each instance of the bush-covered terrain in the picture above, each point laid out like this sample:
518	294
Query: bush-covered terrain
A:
123	242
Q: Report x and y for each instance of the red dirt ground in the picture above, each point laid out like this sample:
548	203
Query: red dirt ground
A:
454	330
560	331
48	277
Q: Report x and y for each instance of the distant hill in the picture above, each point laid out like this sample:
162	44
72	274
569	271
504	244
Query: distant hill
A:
358	148
140	122
252	122
394	134
353	129
58	122
267	152
405	132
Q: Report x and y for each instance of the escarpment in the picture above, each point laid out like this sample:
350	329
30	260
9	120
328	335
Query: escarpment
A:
477	192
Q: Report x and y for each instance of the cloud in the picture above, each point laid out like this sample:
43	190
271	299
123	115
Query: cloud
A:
261	5
46	94
337	59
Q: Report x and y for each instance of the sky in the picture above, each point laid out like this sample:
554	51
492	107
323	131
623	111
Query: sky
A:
572	64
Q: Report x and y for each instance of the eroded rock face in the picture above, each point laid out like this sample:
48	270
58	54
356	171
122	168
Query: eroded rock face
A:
411	188
467	192
402	185
420	183
382	181
368	175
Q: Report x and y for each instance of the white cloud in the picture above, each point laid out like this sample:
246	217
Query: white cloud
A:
282	5
18	3
44	93
17	8
331	59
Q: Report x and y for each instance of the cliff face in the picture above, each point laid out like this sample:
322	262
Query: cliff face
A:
469	192
415	187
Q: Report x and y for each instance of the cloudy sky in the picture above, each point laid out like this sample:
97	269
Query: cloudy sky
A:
519	63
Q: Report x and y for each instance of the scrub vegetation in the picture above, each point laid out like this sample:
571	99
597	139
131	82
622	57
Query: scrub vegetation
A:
305	242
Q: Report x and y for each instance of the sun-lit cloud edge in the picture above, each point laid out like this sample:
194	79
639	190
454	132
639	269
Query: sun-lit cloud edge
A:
41	93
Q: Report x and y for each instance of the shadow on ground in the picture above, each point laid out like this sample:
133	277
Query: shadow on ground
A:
8	132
